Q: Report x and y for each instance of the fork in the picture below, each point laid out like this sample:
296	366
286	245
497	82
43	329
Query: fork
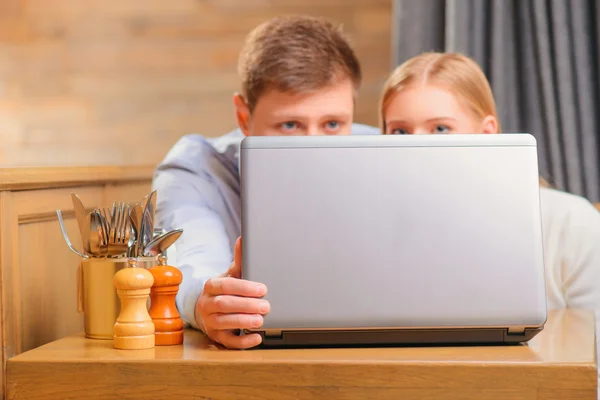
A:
98	237
120	230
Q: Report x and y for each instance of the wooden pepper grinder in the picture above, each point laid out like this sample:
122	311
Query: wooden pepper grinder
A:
163	311
134	328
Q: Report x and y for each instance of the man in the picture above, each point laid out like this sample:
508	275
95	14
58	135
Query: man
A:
299	76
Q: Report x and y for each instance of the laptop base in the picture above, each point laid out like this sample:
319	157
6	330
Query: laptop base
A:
397	337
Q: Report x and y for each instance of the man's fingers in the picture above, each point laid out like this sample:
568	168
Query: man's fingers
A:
233	321
232	341
235	269
235	304
230	303
234	287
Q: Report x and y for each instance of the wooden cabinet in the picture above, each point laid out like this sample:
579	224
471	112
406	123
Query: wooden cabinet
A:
38	271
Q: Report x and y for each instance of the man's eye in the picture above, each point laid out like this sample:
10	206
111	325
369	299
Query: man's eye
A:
289	125
399	132
333	125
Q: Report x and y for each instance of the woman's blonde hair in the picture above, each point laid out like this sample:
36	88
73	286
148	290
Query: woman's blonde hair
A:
453	71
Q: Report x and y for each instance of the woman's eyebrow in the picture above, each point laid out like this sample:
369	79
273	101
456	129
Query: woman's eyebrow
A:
442	119
396	121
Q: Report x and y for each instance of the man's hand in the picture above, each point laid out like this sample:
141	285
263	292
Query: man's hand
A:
228	304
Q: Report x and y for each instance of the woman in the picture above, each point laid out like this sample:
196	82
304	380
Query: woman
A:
449	93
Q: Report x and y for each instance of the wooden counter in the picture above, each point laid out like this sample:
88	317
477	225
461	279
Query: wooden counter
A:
560	363
37	270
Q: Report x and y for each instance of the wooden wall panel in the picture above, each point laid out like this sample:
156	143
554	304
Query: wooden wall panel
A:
119	81
48	282
38	273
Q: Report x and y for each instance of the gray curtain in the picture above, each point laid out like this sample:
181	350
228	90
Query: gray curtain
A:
542	60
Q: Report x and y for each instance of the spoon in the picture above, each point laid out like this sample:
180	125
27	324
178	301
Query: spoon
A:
66	237
161	243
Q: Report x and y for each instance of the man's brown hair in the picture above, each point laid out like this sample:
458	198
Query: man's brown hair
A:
295	54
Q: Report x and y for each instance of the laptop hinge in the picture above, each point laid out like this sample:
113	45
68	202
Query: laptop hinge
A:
274	334
516	330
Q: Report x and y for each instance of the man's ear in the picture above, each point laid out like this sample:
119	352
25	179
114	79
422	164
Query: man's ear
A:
489	125
242	113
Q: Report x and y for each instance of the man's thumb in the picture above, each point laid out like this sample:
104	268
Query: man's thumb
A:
235	269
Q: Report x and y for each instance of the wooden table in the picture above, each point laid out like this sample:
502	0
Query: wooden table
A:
560	363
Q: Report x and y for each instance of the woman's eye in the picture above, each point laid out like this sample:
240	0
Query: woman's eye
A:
442	129
399	132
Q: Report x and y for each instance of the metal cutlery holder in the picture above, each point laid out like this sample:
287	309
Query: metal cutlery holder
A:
109	236
98	298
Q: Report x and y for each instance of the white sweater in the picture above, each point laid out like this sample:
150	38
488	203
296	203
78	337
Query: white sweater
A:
571	229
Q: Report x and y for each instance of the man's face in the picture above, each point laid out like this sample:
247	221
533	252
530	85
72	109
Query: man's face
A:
327	111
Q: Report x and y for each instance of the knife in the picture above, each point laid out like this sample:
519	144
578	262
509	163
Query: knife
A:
148	221
80	216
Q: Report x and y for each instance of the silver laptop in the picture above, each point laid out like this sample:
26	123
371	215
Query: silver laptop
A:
395	239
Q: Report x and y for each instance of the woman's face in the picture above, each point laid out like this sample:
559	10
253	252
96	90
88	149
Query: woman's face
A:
429	109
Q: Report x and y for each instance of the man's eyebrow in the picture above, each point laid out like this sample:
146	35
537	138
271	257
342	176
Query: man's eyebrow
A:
340	115
284	116
297	117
